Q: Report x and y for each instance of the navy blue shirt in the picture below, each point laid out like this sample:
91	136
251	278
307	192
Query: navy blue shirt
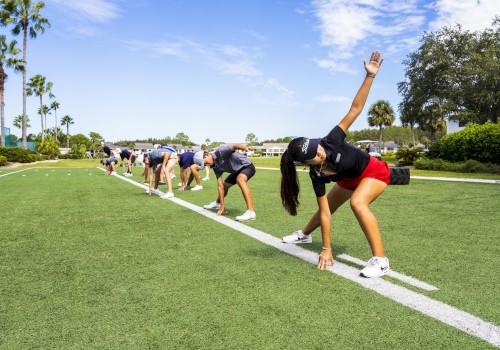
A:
186	159
107	150
346	160
125	154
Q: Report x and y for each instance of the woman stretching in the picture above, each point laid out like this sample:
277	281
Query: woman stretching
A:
358	176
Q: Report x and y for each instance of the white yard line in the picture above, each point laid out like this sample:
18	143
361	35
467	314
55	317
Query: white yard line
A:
438	310
18	171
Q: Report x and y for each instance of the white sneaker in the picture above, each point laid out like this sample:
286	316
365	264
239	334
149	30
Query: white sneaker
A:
180	184
297	237
172	176
157	191
205	179
213	205
113	173
127	174
197	188
168	195
376	267
248	215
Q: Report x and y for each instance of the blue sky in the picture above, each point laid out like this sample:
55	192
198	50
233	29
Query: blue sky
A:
221	69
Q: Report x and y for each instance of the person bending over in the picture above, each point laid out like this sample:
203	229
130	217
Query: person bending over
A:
360	178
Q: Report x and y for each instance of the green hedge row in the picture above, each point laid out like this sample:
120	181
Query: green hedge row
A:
3	160
469	166
478	142
18	155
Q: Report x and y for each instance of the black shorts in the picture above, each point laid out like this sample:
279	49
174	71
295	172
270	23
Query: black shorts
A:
249	171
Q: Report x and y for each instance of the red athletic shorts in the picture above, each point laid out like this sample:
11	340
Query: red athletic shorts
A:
375	169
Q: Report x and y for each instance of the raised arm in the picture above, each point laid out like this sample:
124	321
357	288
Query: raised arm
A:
359	101
240	147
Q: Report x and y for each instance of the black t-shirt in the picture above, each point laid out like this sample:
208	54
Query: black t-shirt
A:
346	160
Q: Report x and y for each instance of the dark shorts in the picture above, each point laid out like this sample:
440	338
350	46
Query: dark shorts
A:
375	169
249	171
132	159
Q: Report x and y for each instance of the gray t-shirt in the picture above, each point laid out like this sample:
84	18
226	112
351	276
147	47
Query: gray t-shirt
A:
228	161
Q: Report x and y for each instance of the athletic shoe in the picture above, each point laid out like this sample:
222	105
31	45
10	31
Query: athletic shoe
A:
145	181
180	184
376	267
172	176
157	191
168	195
248	215
113	173
128	174
213	205
297	237
161	182
205	179
197	188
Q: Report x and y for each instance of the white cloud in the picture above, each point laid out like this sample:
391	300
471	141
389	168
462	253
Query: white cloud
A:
92	10
226	59
471	14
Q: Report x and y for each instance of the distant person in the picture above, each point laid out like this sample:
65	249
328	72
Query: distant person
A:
160	161
193	162
359	178
129	156
172	171
225	159
110	162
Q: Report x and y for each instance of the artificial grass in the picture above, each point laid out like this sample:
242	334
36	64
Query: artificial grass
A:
89	261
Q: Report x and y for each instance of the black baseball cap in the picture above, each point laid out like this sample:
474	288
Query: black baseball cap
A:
303	148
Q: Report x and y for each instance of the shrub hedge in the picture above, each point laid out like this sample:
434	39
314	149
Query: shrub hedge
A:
469	166
3	160
17	154
477	142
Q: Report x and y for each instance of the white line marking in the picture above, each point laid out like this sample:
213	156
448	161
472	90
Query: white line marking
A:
399	276
18	171
438	310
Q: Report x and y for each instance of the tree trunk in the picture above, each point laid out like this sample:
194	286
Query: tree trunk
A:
41	117
55	127
380	140
2	104
67	135
25	72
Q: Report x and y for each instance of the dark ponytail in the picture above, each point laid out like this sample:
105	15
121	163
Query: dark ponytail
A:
289	184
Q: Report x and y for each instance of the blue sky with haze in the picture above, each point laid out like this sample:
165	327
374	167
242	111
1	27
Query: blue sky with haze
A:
221	69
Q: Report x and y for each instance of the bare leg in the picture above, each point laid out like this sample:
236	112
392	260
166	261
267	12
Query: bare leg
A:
241	180
336	197
367	191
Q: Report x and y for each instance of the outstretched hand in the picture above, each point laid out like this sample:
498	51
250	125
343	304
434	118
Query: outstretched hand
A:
373	66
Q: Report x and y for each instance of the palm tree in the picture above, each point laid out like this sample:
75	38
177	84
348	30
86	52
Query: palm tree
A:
67	120
25	17
43	113
8	53
18	122
54	106
38	87
381	114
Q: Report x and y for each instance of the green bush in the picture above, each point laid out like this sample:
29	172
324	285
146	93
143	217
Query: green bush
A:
49	147
407	156
69	156
18	155
477	142
469	166
3	160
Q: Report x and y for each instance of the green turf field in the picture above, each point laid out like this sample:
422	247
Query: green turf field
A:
90	261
